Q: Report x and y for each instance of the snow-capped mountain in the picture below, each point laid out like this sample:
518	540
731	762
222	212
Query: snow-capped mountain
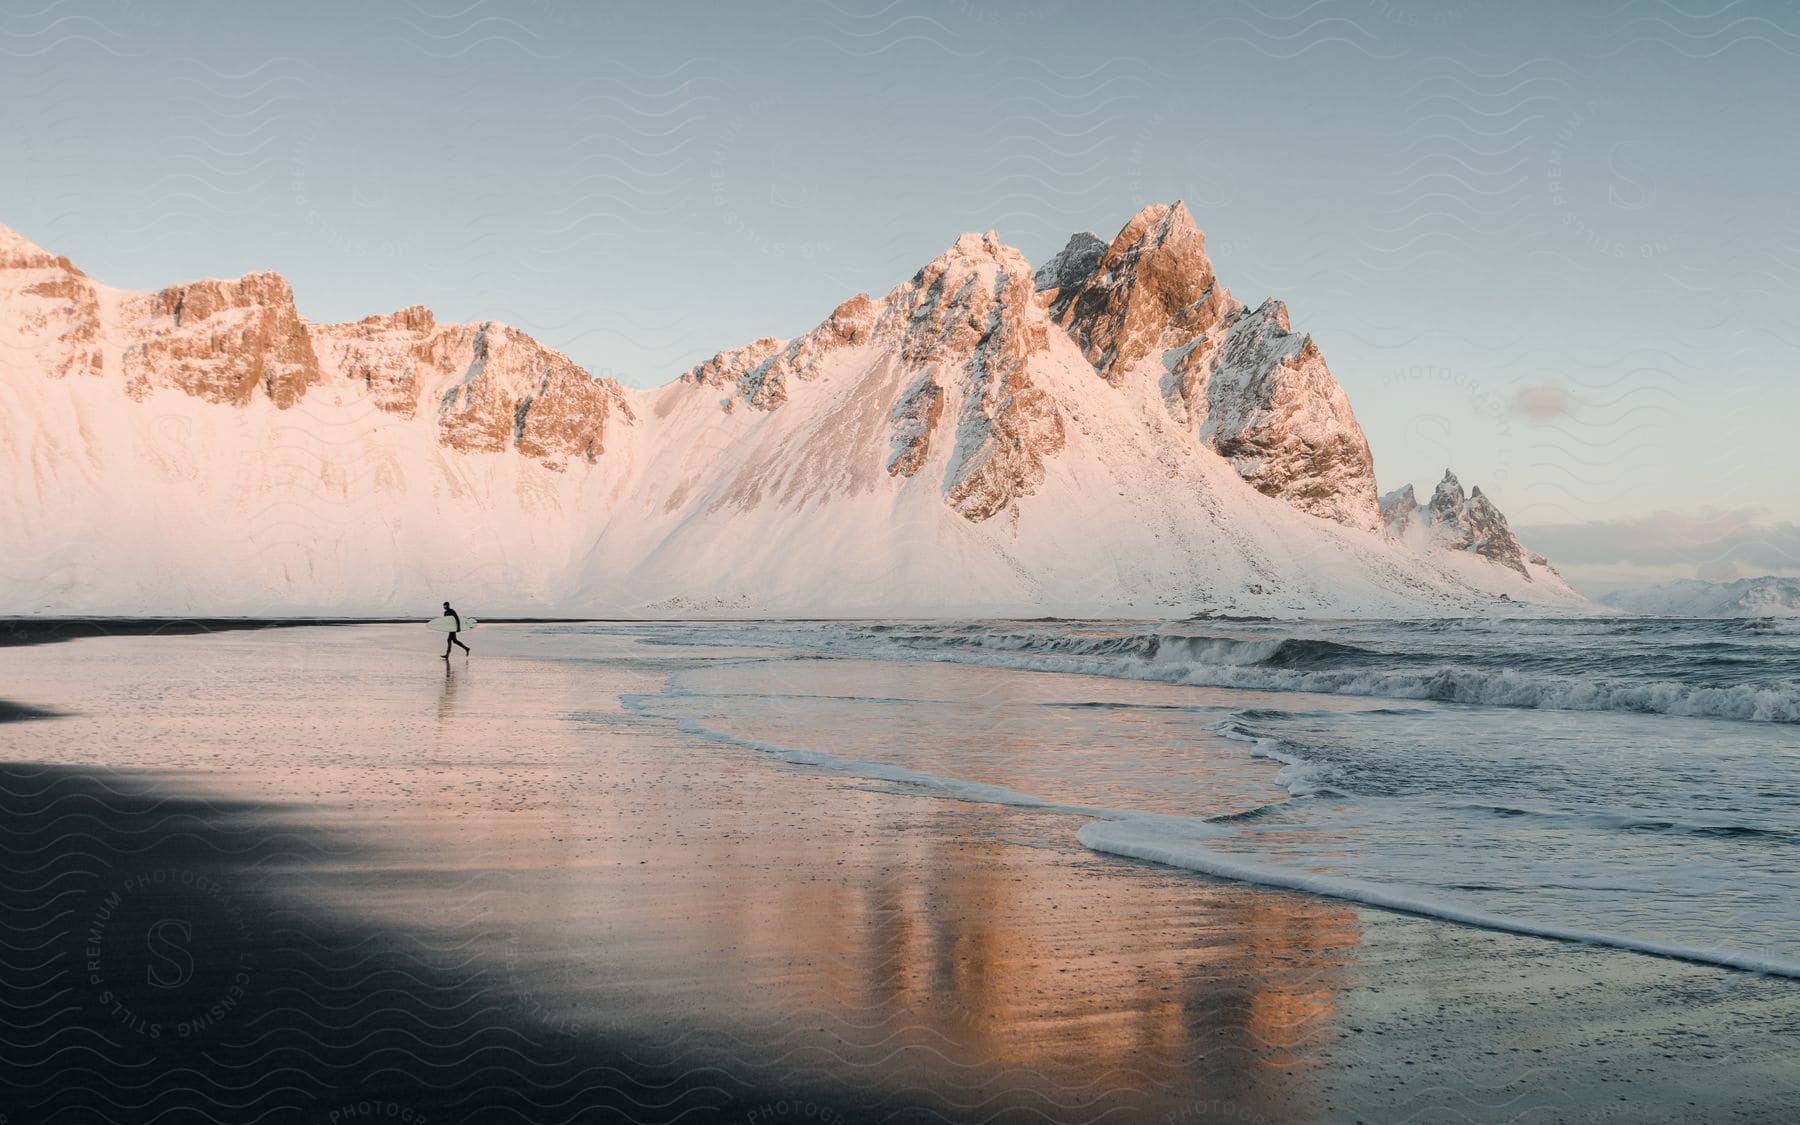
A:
1112	434
1768	596
1147	308
1453	521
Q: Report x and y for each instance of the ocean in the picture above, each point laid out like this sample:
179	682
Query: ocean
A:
1623	782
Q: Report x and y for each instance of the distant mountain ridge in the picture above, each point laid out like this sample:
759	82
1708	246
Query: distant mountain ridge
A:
1767	596
1111	433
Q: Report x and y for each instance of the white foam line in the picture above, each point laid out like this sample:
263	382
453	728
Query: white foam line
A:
1128	838
1135	835
1738	703
977	791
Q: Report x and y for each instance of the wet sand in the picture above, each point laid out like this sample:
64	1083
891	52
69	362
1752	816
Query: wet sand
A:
268	874
50	630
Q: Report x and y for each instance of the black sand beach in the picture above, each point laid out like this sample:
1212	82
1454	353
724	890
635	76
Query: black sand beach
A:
314	877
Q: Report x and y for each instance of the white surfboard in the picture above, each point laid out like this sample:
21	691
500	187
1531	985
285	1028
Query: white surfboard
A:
448	624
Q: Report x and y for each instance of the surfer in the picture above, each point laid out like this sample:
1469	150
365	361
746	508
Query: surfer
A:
448	612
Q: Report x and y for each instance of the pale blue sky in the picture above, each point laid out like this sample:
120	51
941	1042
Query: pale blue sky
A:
1554	246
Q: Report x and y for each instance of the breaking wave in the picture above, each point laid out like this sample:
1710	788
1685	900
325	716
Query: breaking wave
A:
1661	838
1294	664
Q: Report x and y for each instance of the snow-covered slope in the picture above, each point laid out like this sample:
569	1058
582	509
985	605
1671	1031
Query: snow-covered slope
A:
1767	596
1114	436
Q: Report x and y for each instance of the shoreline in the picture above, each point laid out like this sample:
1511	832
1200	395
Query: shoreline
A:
28	628
609	905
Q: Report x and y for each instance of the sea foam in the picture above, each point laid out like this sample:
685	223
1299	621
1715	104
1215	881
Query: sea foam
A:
1144	839
1293	664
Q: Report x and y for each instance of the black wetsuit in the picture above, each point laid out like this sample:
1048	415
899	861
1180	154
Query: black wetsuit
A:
448	612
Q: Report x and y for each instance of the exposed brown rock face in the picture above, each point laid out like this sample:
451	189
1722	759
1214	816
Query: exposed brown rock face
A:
972	310
733	364
1253	391
1262	397
519	394
1491	536
230	342
766	386
915	418
68	323
16	253
392	355
223	341
569	415
762	369
53	309
1154	280
962	331
1015	428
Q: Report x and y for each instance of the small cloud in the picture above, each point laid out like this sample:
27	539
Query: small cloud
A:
1544	403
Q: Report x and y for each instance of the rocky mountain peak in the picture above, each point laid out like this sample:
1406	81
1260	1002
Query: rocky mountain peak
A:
1458	521
976	295
1152	280
1448	499
974	251
51	310
185	304
764	368
392	354
851	322
413	318
517	393
970	324
1156	223
1015	474
963	329
20	253
1398	509
1071	265
1148	305
223	341
1261	396
730	365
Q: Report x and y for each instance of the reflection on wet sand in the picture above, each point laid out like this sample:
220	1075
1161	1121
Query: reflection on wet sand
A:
447	700
916	943
621	874
599	873
1028	962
